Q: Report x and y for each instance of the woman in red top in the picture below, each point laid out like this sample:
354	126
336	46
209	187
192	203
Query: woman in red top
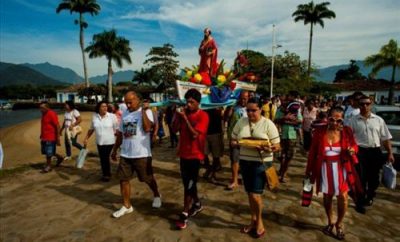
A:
208	52
331	165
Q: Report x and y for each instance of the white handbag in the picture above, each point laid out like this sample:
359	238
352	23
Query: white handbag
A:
389	176
81	158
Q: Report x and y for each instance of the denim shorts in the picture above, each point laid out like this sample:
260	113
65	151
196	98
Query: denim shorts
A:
253	174
234	153
48	148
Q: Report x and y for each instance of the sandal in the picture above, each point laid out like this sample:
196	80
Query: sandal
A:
257	234
248	228
232	186
328	229
339	232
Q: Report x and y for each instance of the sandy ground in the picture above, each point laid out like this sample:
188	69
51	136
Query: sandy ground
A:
70	204
21	143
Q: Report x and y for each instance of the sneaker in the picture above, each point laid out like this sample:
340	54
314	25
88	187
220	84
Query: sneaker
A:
46	169
59	161
122	211
182	222
67	158
360	209
195	209
369	202
157	202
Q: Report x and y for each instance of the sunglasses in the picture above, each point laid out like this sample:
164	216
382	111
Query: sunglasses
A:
364	104
251	110
338	121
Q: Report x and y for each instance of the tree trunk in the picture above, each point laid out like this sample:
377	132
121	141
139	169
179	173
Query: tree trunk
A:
392	86
309	52
81	42
109	83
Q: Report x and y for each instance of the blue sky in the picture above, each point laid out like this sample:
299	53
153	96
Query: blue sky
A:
31	31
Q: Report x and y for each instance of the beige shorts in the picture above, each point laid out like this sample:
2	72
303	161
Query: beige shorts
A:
215	145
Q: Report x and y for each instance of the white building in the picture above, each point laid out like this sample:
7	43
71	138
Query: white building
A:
70	93
378	89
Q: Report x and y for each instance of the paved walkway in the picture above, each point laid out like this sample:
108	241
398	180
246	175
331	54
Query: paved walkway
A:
73	205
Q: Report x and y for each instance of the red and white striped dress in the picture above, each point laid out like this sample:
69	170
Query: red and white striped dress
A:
333	174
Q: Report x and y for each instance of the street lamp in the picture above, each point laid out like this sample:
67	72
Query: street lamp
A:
274	46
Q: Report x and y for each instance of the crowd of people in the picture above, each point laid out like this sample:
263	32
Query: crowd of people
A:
342	142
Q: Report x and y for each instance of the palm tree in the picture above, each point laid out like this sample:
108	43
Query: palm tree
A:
81	7
114	48
146	77
388	56
313	14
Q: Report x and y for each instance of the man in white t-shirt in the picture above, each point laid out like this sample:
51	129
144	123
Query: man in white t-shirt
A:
134	138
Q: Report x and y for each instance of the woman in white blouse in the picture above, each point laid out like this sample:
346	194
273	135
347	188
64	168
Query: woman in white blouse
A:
104	125
72	119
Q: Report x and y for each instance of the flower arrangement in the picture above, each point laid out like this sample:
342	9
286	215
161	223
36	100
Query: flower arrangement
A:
223	77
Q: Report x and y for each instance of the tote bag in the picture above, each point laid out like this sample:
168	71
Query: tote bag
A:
389	176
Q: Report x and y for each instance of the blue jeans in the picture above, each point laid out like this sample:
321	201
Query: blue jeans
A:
73	142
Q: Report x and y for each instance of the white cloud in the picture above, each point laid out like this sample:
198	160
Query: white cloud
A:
359	29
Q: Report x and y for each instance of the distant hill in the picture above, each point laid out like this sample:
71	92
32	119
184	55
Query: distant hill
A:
328	74
12	74
119	76
56	72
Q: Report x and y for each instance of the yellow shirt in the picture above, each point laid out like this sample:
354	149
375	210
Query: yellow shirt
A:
269	110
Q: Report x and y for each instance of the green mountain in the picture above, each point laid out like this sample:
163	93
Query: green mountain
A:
69	76
56	72
12	74
328	74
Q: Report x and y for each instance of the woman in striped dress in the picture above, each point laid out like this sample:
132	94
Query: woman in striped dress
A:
330	164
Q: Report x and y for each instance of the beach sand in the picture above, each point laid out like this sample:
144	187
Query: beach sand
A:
70	204
21	143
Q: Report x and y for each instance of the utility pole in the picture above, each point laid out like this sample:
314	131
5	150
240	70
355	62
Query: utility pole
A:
273	60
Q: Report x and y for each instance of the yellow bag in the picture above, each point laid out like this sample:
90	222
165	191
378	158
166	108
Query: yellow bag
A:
272	178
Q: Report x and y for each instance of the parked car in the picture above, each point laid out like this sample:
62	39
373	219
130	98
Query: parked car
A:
391	115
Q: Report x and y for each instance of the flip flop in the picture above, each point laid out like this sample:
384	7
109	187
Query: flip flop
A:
328	229
231	186
247	230
258	235
339	232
